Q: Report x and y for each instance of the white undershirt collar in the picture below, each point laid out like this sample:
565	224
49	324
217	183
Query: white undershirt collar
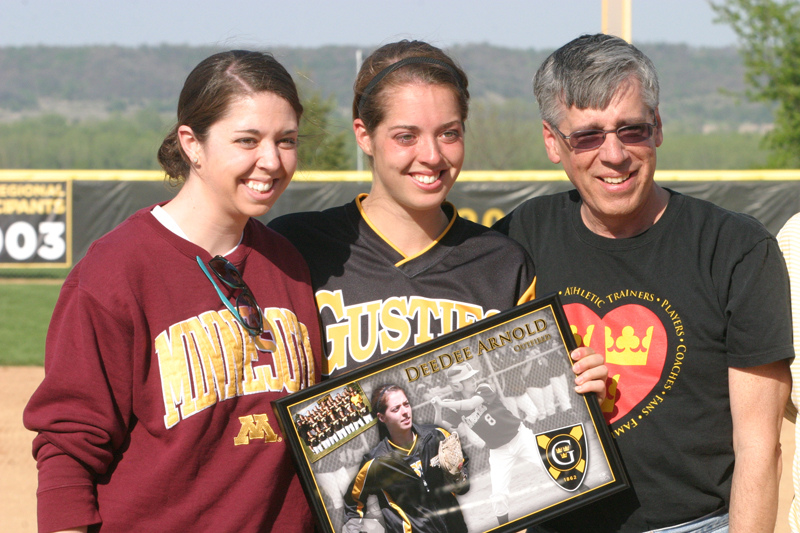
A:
168	222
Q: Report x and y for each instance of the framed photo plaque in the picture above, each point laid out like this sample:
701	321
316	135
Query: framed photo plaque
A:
533	448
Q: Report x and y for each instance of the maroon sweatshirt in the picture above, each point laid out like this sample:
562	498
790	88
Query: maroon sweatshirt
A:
154	414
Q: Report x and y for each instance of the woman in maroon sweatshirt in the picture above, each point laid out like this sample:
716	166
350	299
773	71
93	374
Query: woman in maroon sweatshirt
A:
176	330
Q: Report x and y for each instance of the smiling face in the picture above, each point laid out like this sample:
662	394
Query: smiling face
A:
397	416
247	159
417	150
615	181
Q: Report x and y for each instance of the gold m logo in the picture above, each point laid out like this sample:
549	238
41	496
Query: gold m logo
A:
255	427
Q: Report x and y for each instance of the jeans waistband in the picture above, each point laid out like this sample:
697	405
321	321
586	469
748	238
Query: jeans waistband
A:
711	522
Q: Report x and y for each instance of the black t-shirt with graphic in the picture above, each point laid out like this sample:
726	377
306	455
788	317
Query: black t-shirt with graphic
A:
671	309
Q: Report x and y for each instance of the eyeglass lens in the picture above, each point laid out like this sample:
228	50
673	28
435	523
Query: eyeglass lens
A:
248	309
227	272
245	302
635	133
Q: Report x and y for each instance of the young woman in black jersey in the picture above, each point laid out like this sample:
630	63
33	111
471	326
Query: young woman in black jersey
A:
398	266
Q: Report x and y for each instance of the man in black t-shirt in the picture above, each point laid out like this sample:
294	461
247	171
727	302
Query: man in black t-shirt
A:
688	302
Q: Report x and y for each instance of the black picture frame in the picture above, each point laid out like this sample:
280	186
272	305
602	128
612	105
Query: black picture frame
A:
517	353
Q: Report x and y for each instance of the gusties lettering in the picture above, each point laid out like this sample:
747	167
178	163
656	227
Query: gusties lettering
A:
384	326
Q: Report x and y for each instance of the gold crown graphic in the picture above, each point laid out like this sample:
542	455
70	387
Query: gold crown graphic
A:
584	340
628	349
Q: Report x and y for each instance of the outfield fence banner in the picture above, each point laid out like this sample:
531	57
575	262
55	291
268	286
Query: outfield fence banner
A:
35	223
49	218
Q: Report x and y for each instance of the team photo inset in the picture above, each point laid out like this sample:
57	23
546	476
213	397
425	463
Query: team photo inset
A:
333	420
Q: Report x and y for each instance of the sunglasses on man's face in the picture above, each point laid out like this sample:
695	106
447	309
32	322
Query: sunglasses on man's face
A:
591	139
247	311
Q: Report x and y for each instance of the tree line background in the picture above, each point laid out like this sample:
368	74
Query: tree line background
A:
109	107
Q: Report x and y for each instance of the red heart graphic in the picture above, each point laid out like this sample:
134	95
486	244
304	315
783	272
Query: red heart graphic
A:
634	343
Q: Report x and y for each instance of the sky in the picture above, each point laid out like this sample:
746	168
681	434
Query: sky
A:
539	24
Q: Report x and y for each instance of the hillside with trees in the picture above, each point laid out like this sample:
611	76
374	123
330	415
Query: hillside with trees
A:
767	32
109	106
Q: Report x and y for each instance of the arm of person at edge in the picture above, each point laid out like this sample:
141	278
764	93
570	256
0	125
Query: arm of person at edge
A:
790	247
757	396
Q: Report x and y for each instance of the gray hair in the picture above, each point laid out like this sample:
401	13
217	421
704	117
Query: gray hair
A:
587	72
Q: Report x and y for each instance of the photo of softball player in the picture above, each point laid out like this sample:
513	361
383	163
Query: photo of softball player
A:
482	411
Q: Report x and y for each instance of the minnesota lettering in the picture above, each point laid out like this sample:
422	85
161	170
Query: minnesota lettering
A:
209	358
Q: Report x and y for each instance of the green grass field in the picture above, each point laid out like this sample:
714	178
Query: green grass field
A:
25	310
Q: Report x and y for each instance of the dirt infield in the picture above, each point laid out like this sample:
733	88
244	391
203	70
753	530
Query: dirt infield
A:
18	479
18	470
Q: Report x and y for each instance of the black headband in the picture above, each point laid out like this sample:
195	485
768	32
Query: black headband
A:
394	66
